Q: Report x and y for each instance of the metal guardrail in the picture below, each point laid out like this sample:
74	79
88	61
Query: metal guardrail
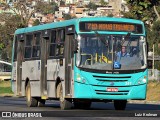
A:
4	62
155	76
5	76
5	73
155	58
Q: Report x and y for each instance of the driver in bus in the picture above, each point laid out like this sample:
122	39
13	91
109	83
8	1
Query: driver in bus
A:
123	52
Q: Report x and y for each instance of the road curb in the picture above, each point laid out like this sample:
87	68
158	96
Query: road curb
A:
9	96
130	101
144	102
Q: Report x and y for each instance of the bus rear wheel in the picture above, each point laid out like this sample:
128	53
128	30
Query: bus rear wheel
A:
31	101
120	104
41	102
64	103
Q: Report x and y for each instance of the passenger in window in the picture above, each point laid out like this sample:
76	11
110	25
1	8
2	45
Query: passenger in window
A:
61	50
134	51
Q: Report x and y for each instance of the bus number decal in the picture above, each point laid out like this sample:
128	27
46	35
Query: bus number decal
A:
128	83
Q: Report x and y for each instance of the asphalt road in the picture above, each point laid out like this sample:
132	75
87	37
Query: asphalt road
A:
98	110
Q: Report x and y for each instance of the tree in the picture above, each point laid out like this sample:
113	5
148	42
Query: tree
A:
68	16
92	6
36	22
110	15
149	12
145	10
62	2
18	17
21	11
103	3
55	6
46	8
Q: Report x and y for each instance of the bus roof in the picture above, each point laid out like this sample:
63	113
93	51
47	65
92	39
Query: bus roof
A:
111	19
73	22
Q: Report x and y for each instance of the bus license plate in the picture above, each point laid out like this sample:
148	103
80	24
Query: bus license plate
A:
112	89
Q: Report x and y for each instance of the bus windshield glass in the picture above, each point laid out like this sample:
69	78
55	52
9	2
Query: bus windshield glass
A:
108	52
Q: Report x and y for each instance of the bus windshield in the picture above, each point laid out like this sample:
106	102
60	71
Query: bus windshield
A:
108	52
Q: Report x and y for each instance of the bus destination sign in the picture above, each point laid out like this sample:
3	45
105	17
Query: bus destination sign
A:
108	26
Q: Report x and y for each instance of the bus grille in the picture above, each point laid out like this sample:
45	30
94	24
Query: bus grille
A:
104	92
105	81
112	79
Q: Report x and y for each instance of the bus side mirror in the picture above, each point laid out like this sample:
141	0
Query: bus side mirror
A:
75	45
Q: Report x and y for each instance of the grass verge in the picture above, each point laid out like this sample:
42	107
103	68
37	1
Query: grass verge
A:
153	91
5	88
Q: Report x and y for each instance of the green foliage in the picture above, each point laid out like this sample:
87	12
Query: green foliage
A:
36	22
62	2
103	3
92	6
1	46
5	87
5	90
153	34
46	8
142	9
18	19
148	11
68	16
110	15
156	28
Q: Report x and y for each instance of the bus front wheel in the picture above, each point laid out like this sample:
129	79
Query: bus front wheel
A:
120	104
31	101
64	103
80	104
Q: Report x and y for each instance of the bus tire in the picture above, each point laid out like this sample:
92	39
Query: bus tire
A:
120	104
82	104
41	102
64	103
87	104
31	101
77	105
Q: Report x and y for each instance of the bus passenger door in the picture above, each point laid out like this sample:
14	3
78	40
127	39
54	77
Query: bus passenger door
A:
68	64
20	57
44	56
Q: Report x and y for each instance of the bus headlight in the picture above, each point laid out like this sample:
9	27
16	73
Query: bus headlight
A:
81	79
142	80
78	77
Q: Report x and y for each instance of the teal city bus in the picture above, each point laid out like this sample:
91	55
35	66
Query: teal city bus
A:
80	61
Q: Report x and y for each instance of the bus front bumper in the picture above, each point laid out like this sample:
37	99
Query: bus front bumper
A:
98	92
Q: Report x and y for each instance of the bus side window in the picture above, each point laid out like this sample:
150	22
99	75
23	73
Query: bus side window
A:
60	42
36	45
15	48
28	46
52	43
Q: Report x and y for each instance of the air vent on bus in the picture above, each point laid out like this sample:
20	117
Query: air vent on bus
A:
104	80
111	76
104	92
